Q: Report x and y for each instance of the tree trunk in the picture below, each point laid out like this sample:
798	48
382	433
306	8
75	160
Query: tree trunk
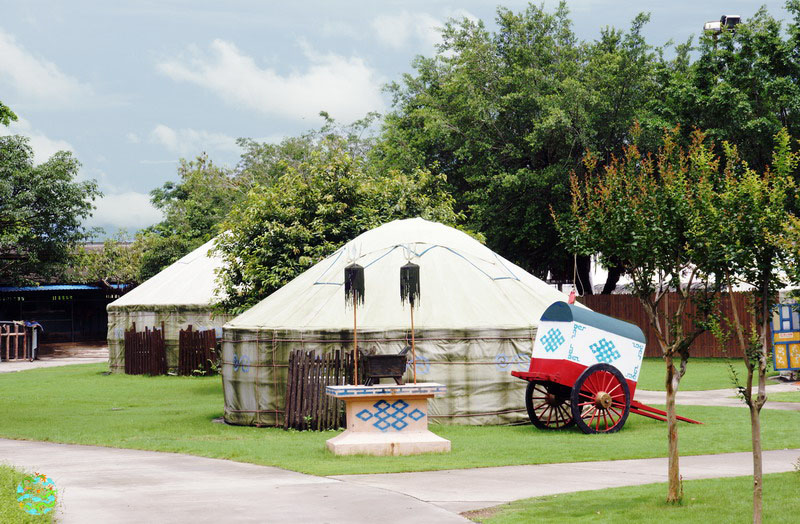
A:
758	403
755	426
613	277
583	282
674	491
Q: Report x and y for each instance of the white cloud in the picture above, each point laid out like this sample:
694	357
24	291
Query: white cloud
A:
343	86
458	14
190	142
406	28
157	162
275	138
34	77
400	29
43	146
133	138
101	177
338	28
129	210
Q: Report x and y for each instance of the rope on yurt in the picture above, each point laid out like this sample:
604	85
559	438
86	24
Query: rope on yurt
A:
273	365
420	255
275	380
257	385
369	340
574	268
575	279
488	413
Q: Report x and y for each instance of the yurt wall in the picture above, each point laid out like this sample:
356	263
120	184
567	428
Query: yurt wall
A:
475	366
173	318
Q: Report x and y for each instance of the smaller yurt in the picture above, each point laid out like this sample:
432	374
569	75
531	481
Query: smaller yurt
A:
476	321
179	296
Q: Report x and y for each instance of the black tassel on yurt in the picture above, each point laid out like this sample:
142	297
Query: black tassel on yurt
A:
409	284
354	294
354	284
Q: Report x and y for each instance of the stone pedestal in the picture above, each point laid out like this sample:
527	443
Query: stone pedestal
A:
387	420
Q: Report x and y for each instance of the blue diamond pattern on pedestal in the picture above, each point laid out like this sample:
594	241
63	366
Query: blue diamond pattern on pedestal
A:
390	415
552	340
399	414
416	415
604	351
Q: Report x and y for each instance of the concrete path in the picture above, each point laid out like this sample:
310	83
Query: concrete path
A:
46	362
98	484
119	485
470	489
63	355
720	397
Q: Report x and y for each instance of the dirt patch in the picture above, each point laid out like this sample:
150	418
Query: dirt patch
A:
479	515
74	350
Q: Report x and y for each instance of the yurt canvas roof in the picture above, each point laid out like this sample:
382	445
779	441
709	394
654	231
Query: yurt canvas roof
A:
463	285
189	283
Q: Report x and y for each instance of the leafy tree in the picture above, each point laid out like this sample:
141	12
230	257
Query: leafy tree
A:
281	229
195	206
192	209
6	115
117	262
41	210
263	163
507	115
750	224
159	252
741	88
642	210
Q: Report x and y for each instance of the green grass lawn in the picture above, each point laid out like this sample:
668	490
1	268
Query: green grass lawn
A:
701	374
81	405
726	500
784	396
10	512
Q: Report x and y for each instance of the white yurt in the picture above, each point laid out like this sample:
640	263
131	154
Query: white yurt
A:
475	322
181	295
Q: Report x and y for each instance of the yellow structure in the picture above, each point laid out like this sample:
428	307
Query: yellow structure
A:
786	336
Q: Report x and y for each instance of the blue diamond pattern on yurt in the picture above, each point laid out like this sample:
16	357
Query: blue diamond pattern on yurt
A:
552	340
605	351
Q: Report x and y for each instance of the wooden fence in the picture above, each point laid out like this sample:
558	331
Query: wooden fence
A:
145	353
197	352
16	337
307	405
630	309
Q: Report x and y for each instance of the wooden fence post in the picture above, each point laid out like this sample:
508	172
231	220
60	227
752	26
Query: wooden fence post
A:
307	406
197	350
630	309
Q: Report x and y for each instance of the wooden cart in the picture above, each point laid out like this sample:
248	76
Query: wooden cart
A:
584	370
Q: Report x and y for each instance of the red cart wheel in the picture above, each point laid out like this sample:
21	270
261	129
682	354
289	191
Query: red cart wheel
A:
600	399
548	405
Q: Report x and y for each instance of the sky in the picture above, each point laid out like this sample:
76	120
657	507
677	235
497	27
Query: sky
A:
132	87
